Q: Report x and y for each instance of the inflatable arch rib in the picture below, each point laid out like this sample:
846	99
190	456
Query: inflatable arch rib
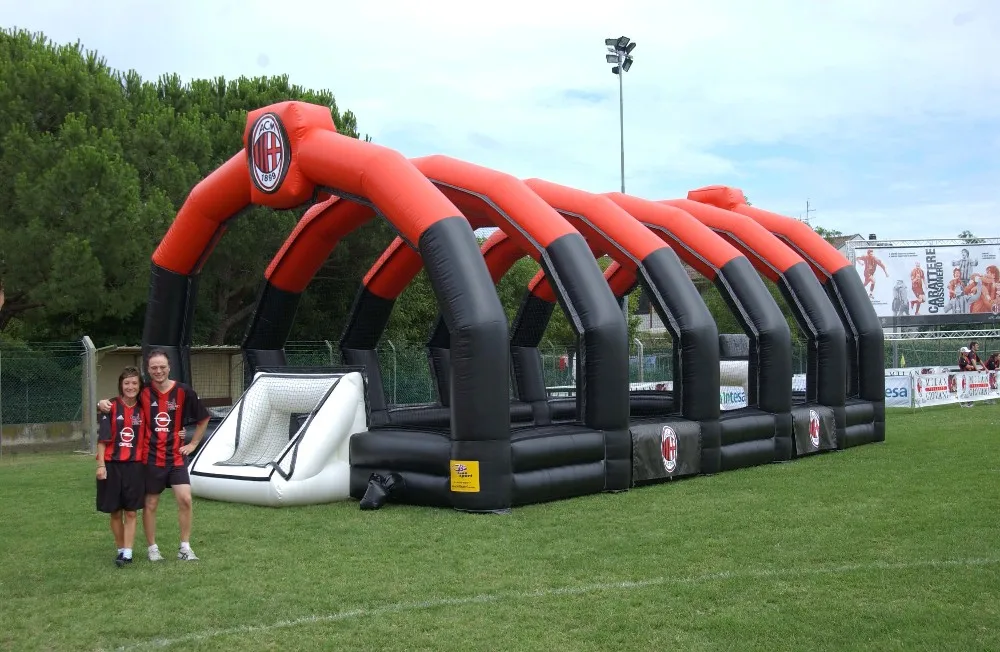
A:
761	432
589	454
819	422
291	150
691	416
865	406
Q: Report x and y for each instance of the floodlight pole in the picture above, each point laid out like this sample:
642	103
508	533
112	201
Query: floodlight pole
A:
621	117
620	53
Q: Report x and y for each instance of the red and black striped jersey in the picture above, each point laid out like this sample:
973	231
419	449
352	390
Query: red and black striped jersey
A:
164	415
121	432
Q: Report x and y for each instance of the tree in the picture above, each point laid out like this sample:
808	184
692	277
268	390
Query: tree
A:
970	238
828	234
96	164
75	225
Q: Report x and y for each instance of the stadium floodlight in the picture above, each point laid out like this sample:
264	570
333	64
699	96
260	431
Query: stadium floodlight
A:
620	50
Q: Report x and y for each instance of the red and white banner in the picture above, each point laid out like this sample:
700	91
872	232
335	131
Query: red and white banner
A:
954	387
932	389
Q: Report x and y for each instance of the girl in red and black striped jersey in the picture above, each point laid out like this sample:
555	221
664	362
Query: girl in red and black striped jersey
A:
120	470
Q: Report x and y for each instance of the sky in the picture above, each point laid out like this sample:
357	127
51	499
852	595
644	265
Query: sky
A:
882	115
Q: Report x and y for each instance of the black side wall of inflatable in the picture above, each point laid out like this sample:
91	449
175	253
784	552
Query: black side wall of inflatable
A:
846	291
267	332
439	357
826	366
365	324
602	364
826	360
526	364
769	366
694	332
168	319
480	412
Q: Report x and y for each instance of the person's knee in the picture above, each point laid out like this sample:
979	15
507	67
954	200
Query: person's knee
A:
152	502
130	516
184	501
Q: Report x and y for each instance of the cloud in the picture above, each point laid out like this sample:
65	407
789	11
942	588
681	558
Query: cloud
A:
572	95
865	108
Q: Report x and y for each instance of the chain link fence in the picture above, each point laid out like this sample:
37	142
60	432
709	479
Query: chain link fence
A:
41	384
941	352
48	384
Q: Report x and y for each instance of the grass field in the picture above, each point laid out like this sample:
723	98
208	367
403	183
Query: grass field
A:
894	546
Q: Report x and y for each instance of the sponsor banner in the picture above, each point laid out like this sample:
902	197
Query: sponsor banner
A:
799	383
731	397
953	387
932	283
932	389
898	391
975	385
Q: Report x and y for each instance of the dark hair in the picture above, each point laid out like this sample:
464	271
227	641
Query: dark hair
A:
128	372
156	352
972	344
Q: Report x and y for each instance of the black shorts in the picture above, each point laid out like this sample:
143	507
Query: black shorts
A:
159	478
123	487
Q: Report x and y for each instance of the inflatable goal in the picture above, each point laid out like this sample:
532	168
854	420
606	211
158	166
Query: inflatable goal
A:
285	441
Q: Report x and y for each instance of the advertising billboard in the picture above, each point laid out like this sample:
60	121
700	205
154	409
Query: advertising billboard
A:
923	285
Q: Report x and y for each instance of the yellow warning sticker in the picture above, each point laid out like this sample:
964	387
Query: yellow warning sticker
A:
465	476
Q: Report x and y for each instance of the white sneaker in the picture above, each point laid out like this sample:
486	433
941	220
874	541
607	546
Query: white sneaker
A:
186	555
154	554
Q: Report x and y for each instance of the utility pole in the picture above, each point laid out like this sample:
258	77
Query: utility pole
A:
808	210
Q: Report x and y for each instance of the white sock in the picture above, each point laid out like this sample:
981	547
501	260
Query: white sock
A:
185	545
154	547
121	550
128	553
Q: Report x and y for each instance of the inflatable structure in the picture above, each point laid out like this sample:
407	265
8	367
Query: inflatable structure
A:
865	404
285	441
494	438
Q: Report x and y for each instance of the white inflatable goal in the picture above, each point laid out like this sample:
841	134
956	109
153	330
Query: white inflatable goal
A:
285	441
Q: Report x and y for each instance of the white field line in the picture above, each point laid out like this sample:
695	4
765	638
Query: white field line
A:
515	596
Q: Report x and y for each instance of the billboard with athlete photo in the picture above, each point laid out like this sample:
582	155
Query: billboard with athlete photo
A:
920	285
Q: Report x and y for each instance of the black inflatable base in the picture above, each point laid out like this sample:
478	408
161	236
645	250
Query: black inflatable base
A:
814	429
665	449
549	463
865	423
749	438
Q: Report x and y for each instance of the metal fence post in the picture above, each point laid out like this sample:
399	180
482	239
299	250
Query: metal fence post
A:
393	347
90	392
641	358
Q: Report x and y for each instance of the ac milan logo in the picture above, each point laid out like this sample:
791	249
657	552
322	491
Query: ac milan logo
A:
668	448
268	153
814	428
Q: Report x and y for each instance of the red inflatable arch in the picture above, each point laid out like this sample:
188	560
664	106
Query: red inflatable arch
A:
292	154
866	373
826	370
485	197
